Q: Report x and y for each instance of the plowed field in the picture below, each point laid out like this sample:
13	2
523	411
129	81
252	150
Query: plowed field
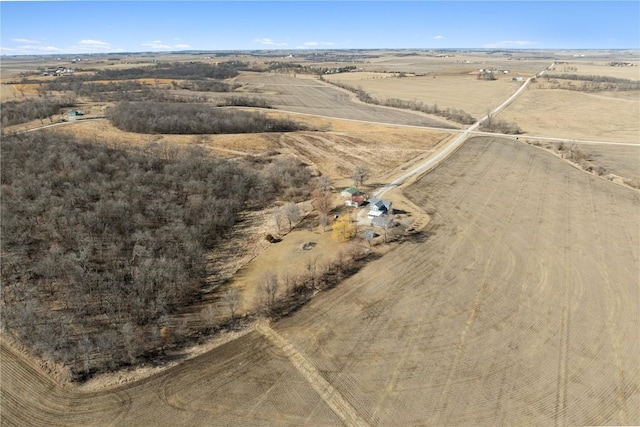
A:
458	91
579	115
310	96
519	307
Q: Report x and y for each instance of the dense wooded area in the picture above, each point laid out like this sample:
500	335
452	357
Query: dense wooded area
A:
101	246
17	112
176	70
181	118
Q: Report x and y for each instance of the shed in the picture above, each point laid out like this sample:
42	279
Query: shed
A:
72	114
352	197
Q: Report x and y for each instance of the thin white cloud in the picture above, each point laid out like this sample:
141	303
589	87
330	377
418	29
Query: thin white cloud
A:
30	50
438	37
265	41
156	44
317	44
97	43
509	44
47	49
25	41
161	45
89	46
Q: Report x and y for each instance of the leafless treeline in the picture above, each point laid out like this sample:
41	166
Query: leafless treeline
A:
181	118
491	124
17	112
177	70
279	296
593	83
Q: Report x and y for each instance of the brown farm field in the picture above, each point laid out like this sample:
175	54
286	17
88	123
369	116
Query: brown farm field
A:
593	68
519	306
578	115
311	96
455	62
619	160
448	90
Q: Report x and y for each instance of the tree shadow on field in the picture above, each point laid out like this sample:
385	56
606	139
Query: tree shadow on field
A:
421	236
309	223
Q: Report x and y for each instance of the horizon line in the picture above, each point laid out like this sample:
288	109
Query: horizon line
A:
249	50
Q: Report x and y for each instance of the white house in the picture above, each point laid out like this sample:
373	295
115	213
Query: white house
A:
379	207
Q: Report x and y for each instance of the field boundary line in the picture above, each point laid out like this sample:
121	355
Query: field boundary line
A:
329	394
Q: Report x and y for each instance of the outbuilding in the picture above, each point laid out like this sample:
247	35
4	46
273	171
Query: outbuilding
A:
353	197
72	114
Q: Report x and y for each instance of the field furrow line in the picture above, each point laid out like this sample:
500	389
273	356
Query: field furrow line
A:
633	247
611	314
532	259
453	248
436	419
487	167
417	331
559	417
329	394
519	193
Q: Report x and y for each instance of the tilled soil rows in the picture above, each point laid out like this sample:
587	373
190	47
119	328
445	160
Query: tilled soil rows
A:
518	306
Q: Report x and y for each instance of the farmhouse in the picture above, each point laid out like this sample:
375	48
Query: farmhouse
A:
378	207
353	197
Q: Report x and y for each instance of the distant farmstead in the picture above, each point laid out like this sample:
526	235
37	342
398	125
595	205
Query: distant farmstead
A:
353	197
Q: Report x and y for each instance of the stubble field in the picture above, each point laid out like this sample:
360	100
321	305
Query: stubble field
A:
602	68
459	90
622	160
578	115
308	95
520	306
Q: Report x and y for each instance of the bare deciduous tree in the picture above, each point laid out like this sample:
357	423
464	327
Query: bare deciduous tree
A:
322	201
268	290
276	214
231	299
208	316
360	175
311	266
324	221
324	183
384	223
292	213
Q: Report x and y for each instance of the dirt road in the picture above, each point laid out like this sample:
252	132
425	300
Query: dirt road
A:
520	306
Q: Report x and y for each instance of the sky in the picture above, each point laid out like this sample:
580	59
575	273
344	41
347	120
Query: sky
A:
74	27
